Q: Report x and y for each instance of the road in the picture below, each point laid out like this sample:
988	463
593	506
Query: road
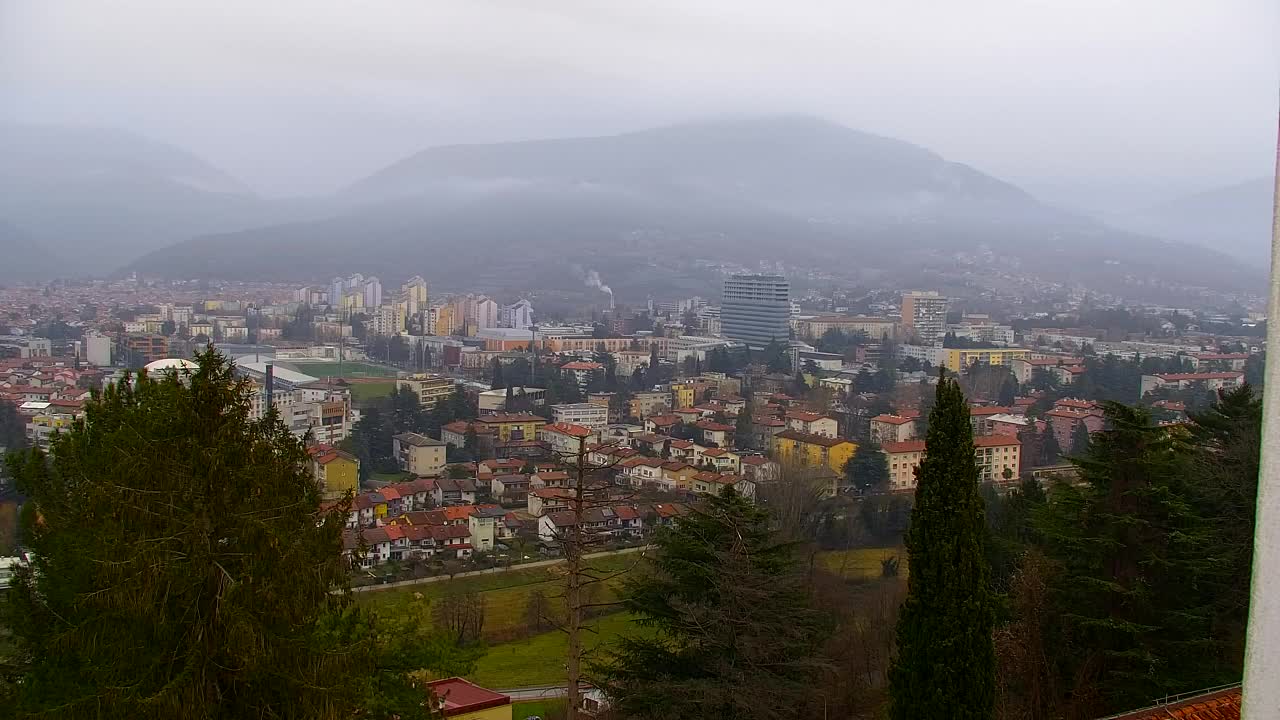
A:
490	571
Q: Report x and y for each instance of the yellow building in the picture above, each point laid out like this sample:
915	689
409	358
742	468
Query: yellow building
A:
336	472
956	359
790	446
683	395
510	426
429	387
999	460
458	699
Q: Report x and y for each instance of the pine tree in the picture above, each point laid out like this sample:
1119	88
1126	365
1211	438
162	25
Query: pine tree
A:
737	635
1132	553
498	381
868	470
945	666
742	427
1050	451
183	566
1079	440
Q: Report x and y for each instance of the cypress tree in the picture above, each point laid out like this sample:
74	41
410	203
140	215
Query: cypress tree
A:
184	568
1080	440
945	667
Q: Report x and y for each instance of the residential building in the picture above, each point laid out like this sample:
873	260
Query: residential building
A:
648	404
518	315
790	446
714	433
924	316
505	427
1069	412
756	309
565	439
458	699
148	348
683	395
98	349
429	387
998	456
887	429
582	371
496	400
1182	381
1219	362
592	416
335	471
875	328
811	423
1024	368
980	417
418	454
957	359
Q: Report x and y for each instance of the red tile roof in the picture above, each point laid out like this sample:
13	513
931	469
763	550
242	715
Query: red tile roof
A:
892	419
713	426
996	440
805	416
568	429
1218	705
809	439
904	446
498	418
1175	377
988	410
581	365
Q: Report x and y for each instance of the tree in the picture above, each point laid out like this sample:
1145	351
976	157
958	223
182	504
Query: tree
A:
184	566
1132	554
742	427
946	661
406	412
13	434
1079	440
1008	391
537	612
714	592
462	616
1050	450
775	358
496	372
868	470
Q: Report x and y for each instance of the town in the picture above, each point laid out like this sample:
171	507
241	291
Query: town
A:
457	426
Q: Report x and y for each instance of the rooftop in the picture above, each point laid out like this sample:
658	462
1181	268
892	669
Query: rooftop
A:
458	696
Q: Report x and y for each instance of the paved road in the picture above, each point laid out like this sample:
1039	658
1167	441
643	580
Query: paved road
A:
490	571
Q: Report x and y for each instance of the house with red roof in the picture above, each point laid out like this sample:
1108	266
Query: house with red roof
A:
566	438
464	700
887	429
811	423
1181	381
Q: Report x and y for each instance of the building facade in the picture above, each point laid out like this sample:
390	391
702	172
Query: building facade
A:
756	309
924	315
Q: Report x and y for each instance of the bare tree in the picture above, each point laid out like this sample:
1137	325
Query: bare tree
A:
590	492
462	616
537	612
795	497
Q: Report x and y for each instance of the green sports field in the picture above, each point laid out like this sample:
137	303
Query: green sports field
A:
344	369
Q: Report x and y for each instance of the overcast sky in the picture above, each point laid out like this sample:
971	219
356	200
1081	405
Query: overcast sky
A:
302	97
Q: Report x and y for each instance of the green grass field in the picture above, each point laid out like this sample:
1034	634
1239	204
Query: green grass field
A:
351	369
545	709
540	659
364	393
861	563
505	594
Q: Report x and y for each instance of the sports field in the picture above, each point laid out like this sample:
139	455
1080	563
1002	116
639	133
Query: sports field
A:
351	369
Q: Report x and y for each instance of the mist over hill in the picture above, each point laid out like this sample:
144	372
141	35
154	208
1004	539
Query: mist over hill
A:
650	208
1234	219
100	197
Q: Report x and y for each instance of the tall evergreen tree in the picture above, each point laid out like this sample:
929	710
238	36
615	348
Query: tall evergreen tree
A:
736	634
1079	440
945	666
868	470
1050	450
495	372
183	566
1132	552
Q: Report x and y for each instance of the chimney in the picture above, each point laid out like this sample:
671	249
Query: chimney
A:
271	386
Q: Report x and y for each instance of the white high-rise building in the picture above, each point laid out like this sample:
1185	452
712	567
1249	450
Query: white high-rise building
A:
372	292
924	315
756	309
484	312
97	349
518	315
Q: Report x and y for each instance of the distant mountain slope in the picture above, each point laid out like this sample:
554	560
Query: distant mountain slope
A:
1235	219
102	197
647	204
22	257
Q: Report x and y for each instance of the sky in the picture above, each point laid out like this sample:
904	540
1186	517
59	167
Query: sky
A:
1092	101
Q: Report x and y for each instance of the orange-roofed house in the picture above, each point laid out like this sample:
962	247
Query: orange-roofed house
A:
995	454
462	700
811	423
790	446
582	371
887	429
565	438
1224	704
506	427
1182	381
335	471
980	417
